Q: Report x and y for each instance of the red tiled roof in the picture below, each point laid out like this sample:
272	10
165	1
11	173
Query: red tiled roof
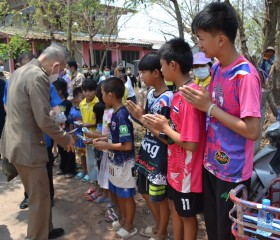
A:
5	31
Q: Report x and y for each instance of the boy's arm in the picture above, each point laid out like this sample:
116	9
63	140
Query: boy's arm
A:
160	124
248	127
102	145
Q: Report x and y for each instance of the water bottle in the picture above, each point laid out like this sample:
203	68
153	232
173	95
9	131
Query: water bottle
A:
265	219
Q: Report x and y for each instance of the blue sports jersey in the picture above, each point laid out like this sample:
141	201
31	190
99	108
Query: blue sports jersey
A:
121	130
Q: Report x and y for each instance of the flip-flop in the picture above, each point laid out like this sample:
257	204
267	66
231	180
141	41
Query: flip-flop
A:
123	234
147	232
86	178
89	192
101	199
92	196
110	215
79	175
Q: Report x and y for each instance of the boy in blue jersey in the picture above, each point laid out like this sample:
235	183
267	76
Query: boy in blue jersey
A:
120	145
76	116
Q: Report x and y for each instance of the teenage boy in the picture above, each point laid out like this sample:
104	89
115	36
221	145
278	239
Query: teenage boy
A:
186	138
121	154
89	120
233	104
152	160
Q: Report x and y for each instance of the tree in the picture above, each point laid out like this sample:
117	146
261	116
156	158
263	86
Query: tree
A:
16	46
272	38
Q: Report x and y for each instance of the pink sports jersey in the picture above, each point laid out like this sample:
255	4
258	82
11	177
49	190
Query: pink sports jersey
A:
184	172
237	90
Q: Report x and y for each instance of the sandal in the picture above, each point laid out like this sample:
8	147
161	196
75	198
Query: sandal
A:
89	192
124	234
86	178
79	175
101	199
115	226
110	215
92	196
148	232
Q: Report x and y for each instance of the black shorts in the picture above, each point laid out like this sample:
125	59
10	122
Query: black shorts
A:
186	204
156	192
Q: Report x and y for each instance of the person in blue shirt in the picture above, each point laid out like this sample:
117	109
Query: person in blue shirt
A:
268	61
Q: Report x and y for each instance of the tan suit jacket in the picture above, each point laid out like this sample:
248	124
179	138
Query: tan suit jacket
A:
28	118
76	81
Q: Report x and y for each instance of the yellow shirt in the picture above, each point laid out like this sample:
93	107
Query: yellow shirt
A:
204	83
87	113
168	83
125	95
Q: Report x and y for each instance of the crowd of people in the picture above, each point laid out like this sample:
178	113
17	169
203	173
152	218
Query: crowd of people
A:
198	143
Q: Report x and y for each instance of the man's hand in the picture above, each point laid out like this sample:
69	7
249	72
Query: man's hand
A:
200	99
136	110
157	122
71	145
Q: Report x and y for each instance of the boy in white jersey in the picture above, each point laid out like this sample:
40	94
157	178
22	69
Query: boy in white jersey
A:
186	138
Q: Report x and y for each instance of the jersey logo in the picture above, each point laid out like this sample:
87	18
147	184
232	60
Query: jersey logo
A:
221	157
123	129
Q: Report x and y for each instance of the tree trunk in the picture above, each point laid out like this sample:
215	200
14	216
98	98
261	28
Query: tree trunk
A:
270	23
91	50
69	29
103	58
179	18
273	81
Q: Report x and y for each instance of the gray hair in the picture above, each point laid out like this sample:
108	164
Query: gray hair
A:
56	52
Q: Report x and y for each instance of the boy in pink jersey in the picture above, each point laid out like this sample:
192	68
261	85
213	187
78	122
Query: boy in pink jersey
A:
233	105
186	138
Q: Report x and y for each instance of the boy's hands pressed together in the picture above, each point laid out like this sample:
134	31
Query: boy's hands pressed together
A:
157	122
200	99
135	110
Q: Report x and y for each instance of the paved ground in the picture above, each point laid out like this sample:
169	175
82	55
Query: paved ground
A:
81	220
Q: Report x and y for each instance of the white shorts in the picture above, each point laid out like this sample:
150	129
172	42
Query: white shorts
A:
121	176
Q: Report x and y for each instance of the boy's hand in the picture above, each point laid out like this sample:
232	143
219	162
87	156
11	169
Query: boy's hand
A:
100	145
200	99
157	121
136	110
89	134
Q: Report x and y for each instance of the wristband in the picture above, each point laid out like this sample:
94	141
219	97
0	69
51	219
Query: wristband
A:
210	109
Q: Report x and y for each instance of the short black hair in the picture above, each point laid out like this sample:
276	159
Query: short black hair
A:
89	84
72	63
179	51
95	66
77	91
25	57
61	85
98	109
99	92
151	62
217	16
114	85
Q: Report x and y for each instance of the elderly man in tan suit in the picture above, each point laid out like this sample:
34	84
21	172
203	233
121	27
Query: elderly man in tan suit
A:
23	141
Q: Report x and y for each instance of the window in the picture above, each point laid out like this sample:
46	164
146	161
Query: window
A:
130	56
98	55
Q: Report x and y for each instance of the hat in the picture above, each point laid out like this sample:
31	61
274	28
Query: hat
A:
200	58
270	48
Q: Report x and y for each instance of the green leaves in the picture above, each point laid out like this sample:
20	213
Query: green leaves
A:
14	48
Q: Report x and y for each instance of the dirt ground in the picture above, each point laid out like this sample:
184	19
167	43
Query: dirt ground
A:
81	220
